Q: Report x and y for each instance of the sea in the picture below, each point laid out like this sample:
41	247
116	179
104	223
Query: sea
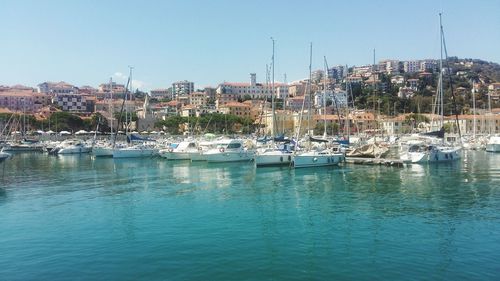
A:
79	218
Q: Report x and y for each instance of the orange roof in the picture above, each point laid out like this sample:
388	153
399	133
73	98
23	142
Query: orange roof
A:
5	110
173	103
235	104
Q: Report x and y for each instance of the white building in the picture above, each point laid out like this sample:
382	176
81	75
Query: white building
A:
57	88
411	66
182	88
428	65
231	92
160	93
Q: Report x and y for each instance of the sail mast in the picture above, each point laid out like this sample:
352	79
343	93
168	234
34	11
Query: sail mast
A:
273	107
324	98
441	94
309	89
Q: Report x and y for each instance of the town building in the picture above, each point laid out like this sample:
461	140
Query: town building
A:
233	92
236	108
57	88
74	102
411	66
23	100
428	65
161	93
182	88
198	99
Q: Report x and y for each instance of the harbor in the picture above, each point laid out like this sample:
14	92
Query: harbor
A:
249	140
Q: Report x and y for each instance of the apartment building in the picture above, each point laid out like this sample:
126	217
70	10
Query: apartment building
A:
57	88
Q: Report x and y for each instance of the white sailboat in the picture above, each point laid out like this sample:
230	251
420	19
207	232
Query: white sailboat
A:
320	155
276	154
432	148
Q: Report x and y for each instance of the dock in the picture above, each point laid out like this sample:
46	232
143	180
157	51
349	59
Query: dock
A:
375	161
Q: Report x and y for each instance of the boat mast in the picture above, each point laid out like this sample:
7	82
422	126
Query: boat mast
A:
111	109
474	109
490	116
441	94
128	122
273	107
284	101
324	98
309	89
451	82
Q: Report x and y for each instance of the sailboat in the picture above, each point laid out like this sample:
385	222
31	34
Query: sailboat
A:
279	152
432	148
319	155
4	155
105	149
139	147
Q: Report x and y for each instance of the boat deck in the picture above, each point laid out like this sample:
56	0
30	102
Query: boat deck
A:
375	161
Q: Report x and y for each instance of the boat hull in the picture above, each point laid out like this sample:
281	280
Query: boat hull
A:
134	153
74	150
102	151
306	160
434	156
493	147
274	158
229	156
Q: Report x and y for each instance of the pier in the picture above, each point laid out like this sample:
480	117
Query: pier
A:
375	161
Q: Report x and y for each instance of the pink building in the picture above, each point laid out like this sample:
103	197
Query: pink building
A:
23	101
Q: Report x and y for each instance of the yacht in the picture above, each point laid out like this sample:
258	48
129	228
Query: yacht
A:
278	155
232	150
493	144
135	151
23	146
72	146
203	147
423	152
183	151
317	158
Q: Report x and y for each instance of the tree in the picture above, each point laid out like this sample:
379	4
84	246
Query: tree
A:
64	121
172	124
98	118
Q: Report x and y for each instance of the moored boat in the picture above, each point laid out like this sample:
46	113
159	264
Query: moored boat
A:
232	150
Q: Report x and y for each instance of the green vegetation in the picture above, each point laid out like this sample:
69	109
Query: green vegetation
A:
207	123
331	128
385	99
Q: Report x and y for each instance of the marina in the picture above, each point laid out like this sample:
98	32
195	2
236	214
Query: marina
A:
228	140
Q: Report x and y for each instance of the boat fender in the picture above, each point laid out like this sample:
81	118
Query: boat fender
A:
281	158
170	149
446	155
221	149
315	159
451	156
436	157
289	158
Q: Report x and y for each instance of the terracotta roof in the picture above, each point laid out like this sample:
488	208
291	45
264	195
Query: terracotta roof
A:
4	110
235	104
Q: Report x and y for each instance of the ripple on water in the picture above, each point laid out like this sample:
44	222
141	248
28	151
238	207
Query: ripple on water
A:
157	219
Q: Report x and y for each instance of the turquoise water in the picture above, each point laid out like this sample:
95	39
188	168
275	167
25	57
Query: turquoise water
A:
75	218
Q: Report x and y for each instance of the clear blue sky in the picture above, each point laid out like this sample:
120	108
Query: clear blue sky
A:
86	42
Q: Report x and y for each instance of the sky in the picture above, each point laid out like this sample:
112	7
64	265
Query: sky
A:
86	42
